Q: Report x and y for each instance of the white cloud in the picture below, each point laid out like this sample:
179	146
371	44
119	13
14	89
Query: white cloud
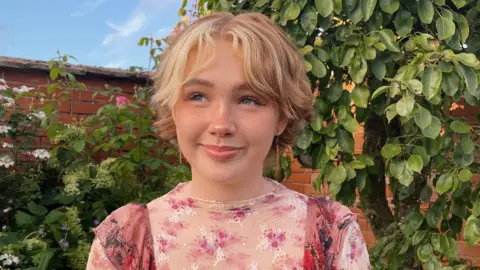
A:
133	25
163	32
117	64
88	7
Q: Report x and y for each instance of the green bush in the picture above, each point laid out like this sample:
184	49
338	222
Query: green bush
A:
409	62
54	197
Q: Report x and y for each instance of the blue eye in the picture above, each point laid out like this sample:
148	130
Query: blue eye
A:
249	101
197	97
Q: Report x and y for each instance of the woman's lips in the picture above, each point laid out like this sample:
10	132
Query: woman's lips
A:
221	152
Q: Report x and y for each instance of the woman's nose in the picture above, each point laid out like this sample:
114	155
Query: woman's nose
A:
222	123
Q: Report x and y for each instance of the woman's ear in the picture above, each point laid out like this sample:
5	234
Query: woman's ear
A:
281	125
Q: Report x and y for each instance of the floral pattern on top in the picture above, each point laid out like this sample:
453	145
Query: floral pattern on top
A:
280	230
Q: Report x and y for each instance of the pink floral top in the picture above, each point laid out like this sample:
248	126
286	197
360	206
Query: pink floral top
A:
280	230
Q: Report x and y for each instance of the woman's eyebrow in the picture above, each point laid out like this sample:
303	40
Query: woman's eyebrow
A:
200	82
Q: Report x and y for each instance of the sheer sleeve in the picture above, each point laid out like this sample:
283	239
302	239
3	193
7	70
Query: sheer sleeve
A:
97	258
123	240
353	253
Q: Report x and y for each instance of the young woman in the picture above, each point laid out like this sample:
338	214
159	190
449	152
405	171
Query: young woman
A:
231	90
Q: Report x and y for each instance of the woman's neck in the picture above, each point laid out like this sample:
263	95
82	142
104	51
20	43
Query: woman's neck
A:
243	188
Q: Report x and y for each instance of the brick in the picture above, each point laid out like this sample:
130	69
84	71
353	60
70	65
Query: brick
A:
85	107
363	224
26	77
126	86
297	187
299	178
58	92
87	96
94	84
464	249
369	237
67	118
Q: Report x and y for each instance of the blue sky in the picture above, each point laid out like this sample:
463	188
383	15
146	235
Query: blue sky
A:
97	32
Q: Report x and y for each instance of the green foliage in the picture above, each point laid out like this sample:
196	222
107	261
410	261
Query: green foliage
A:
96	165
409	62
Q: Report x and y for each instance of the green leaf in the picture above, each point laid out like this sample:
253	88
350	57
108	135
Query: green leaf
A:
78	145
467	145
434	214
453	252
403	22
317	122
468	59
292	11
459	3
469	76
415	163
358	70
406	178
461	159
309	19
334	188
463	26
415	86
426	193
433	130
36	209
54	73
397	167
476	209
23	219
368	6
425	11
389	6
444	244
405	105
360	95
387	37
334	92
338	175
304	138
460	126
418	237
366	160
324	7
450	83
346	141
431	79
465	175
471	233
379	91
45	258
318	68
422	117
444	183
435	239
445	27
425	252
391	150
379	69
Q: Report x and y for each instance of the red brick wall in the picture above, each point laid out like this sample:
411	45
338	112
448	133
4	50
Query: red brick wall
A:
81	104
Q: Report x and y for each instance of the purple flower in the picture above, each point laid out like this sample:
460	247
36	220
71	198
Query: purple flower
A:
63	243
41	232
64	228
96	222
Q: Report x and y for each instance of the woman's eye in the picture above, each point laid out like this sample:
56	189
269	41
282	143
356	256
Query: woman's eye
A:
249	101
197	97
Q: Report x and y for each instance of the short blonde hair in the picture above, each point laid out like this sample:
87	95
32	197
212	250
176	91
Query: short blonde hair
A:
272	65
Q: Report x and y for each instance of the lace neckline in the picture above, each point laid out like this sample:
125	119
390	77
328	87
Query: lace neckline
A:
213	205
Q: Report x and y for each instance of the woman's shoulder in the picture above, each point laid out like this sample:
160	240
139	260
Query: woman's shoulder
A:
330	211
125	236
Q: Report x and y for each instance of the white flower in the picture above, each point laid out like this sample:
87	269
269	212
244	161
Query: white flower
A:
10	101
40	115
4	129
9	259
22	89
3	87
7	145
41	154
4	227
6	210
2	81
6	161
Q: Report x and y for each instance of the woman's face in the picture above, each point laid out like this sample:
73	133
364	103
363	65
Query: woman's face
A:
224	129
